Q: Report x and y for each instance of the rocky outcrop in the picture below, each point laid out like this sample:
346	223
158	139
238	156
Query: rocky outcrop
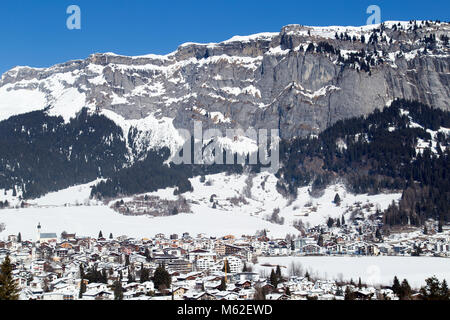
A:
300	80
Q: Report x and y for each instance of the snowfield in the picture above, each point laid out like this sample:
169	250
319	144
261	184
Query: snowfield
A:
89	220
372	270
244	205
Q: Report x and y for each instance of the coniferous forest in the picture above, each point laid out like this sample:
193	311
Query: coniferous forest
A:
379	153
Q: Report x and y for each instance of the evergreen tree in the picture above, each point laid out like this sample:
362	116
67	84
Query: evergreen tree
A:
19	238
82	289
223	285
100	235
288	291
320	241
349	294
118	291
330	222
145	275
343	220
396	286
227	265
8	287
359	283
161	278
278	272
337	199
111	236
378	235
440	226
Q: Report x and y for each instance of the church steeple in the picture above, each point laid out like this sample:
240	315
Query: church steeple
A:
39	232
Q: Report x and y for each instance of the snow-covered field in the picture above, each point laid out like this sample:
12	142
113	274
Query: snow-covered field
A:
243	206
89	220
372	270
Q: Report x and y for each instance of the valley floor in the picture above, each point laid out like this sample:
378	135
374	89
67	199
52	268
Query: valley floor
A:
372	270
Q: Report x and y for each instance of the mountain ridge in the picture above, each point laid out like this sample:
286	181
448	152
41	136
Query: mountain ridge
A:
268	80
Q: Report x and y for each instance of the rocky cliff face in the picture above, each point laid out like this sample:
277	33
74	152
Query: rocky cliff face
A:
300	80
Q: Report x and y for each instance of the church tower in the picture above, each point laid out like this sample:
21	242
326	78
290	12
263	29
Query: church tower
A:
39	232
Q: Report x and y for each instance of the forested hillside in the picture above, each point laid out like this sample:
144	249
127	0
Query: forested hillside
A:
404	147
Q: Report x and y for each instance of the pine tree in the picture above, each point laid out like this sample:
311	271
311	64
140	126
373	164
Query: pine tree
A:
161	278
405	290
104	278
8	287
337	199
100	235
278	272
396	286
273	279
223	285
349	294
330	222
320	241
440	226
19	238
118	291
111	236
359	283
343	221
432	290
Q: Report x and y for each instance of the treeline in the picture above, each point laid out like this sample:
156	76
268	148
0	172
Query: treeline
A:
376	153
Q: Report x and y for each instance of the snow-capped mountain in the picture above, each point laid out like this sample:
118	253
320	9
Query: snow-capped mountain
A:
299	80
115	119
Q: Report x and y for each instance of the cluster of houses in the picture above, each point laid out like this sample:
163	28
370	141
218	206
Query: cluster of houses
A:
200	267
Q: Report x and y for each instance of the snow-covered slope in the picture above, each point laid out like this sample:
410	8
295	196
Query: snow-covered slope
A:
244	205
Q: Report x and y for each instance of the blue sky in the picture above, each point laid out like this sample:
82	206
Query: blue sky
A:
34	32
